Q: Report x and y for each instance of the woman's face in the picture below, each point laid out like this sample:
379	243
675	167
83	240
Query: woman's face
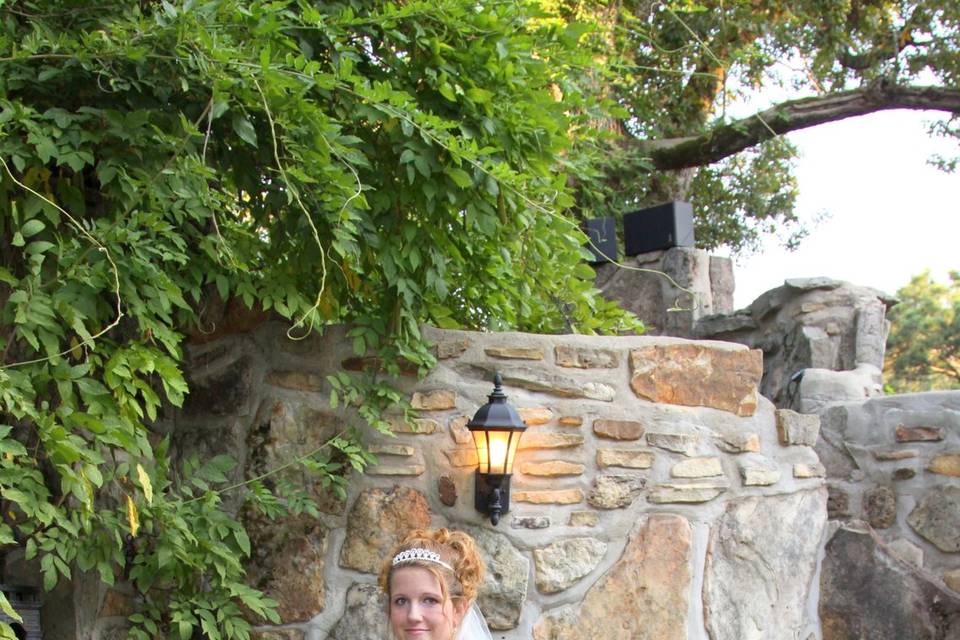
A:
417	608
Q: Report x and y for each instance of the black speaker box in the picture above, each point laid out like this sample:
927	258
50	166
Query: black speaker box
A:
660	227
603	239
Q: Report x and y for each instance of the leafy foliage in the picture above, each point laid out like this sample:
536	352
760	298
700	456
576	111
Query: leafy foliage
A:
683	69
923	348
375	164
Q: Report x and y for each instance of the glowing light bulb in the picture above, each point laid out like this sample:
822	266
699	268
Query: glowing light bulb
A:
498	452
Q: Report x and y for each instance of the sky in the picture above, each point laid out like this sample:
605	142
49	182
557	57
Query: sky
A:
891	215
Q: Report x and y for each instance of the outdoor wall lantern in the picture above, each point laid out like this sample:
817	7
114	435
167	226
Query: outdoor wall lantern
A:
496	429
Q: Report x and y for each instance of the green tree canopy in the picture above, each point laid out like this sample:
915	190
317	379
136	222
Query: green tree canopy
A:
376	164
923	348
680	69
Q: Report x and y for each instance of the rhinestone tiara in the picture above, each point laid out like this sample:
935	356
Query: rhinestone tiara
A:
412	555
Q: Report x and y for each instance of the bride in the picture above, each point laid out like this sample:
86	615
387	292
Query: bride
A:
431	580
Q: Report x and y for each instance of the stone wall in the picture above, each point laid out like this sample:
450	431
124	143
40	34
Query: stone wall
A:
892	565
656	495
827	335
670	290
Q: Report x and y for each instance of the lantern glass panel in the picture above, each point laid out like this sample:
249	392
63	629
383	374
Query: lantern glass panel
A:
496	450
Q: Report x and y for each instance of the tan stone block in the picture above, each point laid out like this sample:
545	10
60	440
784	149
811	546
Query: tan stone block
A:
287	560
452	349
627	458
797	428
759	471
541	440
415	426
615	491
586	358
698	375
571	421
556	496
904	433
643	596
562	564
552	468
809	470
697	468
618	429
947	464
584	519
435	400
379	518
535	379
895	454
459	431
739	442
534	416
515	353
389	449
295	380
462	457
951	578
685	493
395	470
685	443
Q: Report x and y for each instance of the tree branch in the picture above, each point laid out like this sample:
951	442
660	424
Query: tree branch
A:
725	140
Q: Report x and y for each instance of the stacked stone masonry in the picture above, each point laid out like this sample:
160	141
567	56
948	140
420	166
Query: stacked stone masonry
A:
891	568
656	494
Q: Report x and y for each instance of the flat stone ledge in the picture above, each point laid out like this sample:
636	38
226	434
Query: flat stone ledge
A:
552	468
515	353
558	496
436	400
585	358
626	458
685	493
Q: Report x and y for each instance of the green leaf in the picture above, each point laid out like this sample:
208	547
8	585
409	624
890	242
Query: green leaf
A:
447	92
32	228
460	177
584	271
479	95
244	128
37	247
242	540
8	610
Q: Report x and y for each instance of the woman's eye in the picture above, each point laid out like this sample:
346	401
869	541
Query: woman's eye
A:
431	601
399	602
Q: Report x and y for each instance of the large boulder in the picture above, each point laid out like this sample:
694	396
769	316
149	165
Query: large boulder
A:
504	589
865	592
378	520
365	615
761	559
642	597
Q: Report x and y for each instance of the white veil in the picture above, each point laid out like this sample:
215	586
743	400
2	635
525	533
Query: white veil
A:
474	627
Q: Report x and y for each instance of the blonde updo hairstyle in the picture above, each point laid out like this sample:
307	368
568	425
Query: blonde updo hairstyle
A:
455	548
